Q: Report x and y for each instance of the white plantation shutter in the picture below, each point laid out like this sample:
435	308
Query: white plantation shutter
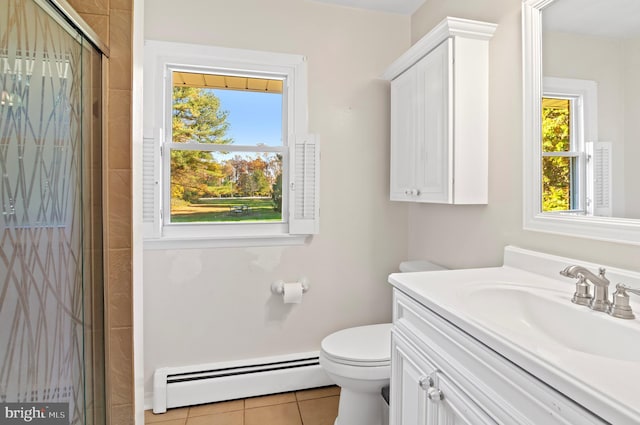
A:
151	186
599	178
304	193
602	178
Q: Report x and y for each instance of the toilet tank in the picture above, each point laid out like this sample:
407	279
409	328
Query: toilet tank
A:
419	266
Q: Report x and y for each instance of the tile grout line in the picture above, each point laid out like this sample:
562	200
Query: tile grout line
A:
299	412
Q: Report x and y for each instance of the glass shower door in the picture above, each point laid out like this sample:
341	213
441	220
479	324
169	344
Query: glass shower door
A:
51	283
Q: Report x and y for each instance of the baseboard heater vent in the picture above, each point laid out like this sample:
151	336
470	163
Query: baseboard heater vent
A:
208	383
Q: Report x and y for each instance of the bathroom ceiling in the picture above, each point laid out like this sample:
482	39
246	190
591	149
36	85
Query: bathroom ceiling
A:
404	7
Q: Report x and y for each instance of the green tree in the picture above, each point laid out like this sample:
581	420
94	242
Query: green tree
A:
276	193
556	171
193	173
251	176
197	118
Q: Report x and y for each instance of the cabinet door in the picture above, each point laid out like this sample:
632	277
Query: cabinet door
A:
433	178
454	407
404	105
411	378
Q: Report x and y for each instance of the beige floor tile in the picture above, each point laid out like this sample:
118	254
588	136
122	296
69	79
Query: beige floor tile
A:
269	400
170	422
226	418
169	415
213	408
279	414
319	411
318	393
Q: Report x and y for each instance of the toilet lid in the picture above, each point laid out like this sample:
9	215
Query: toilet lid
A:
369	345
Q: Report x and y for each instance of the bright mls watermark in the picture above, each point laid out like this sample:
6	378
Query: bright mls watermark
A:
34	413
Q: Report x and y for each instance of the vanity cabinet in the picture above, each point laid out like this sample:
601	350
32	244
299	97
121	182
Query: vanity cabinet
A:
419	391
439	116
441	375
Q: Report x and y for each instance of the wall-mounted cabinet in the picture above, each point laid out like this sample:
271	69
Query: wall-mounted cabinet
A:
439	116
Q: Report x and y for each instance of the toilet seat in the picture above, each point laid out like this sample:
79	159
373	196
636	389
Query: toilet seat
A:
363	346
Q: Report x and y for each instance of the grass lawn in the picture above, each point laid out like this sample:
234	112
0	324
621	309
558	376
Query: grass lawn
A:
225	209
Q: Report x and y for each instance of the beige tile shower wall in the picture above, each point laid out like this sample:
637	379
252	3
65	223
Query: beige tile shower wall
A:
111	20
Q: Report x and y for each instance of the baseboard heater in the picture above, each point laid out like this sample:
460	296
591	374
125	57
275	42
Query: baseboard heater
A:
208	383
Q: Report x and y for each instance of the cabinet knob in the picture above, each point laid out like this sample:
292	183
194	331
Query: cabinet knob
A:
426	382
435	394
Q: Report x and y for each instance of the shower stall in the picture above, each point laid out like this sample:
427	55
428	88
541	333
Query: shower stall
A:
51	246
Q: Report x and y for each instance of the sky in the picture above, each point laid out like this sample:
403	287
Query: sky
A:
254	117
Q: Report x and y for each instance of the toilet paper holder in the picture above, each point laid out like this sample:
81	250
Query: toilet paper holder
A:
277	287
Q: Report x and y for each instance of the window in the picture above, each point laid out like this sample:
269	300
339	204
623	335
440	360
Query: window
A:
225	149
563	159
227	159
570	151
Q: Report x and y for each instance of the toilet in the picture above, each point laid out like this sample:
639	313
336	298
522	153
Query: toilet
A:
359	361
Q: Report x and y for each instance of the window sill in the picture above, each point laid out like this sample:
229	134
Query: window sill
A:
166	243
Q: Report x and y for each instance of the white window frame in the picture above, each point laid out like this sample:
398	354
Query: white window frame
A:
583	97
300	150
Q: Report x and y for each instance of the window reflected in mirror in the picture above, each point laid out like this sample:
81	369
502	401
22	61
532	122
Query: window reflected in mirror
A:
590	40
558	156
582	57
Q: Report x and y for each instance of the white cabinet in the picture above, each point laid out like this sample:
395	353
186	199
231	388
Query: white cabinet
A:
424	396
439	116
456	407
441	375
412	376
419	134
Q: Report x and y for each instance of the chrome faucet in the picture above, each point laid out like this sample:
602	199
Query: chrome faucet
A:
600	299
620	307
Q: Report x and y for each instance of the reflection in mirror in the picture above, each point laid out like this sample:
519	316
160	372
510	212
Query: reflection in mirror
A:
597	43
581	103
569	171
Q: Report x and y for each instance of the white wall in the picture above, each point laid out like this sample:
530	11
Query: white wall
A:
467	236
632	127
210	305
207	305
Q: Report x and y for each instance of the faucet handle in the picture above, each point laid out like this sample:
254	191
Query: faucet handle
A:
582	295
620	307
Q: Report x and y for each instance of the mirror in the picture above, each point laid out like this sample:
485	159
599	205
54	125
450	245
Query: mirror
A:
581	126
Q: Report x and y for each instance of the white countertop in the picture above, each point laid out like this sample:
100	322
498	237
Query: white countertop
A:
528	317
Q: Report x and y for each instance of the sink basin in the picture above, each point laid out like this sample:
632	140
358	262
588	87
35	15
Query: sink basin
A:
545	316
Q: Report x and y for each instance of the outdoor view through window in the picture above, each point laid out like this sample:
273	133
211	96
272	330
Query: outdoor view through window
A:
559	156
226	149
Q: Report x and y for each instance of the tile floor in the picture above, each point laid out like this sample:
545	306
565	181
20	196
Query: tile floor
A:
318	406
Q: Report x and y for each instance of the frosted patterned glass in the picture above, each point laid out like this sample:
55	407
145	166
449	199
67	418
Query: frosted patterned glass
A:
44	247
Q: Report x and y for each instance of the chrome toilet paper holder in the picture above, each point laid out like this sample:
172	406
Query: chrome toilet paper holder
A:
277	287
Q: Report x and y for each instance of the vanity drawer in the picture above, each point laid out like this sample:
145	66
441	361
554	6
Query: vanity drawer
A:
508	393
